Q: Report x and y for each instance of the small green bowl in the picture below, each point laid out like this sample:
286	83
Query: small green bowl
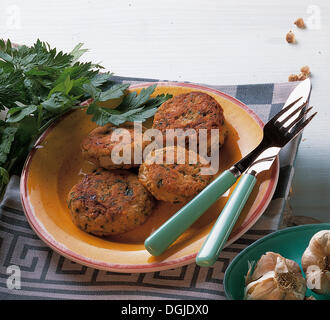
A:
290	243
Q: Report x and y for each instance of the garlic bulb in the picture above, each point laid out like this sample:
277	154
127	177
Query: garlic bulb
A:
275	278
316	262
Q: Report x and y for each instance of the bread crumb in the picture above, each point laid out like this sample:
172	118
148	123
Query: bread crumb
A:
300	23
290	37
302	76
305	70
293	77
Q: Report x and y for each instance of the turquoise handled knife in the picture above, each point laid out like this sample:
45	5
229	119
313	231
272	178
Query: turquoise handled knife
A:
222	228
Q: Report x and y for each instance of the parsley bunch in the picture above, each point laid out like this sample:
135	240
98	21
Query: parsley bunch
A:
38	85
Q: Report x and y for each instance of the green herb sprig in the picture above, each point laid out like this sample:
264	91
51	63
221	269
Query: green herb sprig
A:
38	85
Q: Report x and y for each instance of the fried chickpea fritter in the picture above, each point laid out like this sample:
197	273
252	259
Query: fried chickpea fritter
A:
97	147
194	110
176	182
109	202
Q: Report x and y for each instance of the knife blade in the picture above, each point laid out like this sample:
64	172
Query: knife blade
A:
300	95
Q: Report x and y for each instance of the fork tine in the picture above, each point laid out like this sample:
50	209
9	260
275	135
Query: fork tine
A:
293	113
302	126
301	116
284	110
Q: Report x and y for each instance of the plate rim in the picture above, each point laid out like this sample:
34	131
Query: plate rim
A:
155	266
258	242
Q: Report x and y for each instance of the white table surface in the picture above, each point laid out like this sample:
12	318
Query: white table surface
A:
205	41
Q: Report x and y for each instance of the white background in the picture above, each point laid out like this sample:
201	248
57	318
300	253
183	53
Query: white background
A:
212	42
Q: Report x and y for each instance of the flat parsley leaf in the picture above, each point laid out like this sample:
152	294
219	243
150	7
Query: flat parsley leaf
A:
134	107
134	100
19	113
4	176
102	115
6	139
116	91
57	103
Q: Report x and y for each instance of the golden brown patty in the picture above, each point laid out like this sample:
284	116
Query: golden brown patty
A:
177	182
109	202
194	110
97	147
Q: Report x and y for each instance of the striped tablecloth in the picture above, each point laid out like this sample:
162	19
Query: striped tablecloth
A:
45	274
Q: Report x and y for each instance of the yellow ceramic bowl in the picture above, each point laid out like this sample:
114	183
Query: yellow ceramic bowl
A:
55	164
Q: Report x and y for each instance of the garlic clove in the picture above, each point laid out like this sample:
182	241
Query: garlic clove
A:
281	266
265	264
275	278
262	289
316	262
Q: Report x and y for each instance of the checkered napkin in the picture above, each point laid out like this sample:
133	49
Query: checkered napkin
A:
47	275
